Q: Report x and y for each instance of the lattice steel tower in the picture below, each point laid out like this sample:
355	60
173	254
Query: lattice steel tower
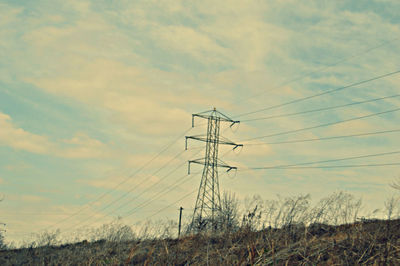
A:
208	202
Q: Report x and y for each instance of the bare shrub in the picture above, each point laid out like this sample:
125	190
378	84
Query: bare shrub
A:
113	232
396	184
285	211
338	208
297	211
44	239
392	207
229	215
252	216
164	229
2	243
271	207
292	210
156	229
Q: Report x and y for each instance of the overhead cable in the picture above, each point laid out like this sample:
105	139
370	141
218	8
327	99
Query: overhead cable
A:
324	138
284	166
321	109
335	166
321	93
323	125
87	205
307	74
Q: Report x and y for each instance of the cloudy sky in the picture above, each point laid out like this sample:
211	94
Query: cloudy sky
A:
91	91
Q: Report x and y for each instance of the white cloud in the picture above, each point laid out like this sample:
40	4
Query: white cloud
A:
26	198
8	14
84	147
80	146
148	100
250	41
191	42
18	138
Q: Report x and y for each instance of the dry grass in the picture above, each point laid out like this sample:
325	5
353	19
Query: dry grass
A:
367	242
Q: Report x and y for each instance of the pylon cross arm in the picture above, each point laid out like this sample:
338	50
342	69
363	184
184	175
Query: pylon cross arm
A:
214	114
203	162
224	119
221	140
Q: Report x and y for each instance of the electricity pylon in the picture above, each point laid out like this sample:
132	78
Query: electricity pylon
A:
208	202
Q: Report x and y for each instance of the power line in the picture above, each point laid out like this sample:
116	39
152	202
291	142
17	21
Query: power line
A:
155	197
184	178
325	138
142	182
300	77
163	192
13	214
172	204
324	125
321	109
285	166
321	93
165	148
126	193
136	196
153	185
336	166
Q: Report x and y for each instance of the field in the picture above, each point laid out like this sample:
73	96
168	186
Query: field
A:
372	242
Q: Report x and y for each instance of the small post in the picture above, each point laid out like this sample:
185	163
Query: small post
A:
180	219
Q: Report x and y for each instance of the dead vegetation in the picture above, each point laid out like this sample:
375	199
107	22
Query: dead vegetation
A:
286	231
364	242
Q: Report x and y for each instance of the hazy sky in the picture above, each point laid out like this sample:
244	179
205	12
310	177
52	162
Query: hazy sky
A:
91	90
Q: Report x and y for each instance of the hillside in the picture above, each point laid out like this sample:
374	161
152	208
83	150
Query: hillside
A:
365	242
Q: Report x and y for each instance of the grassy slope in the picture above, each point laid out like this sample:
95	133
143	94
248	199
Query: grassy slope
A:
359	243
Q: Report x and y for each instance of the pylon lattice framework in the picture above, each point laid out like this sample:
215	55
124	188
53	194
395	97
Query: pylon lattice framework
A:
208	202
